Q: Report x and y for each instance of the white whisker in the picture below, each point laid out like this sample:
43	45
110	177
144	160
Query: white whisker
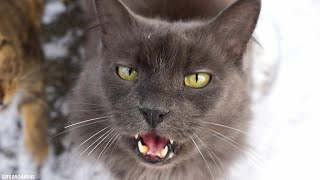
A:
254	154
221	135
76	128
202	157
224	126
223	138
107	146
107	143
92	137
94	119
209	152
102	142
251	151
108	132
116	143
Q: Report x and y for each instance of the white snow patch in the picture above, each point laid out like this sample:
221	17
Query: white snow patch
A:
52	10
58	48
13	155
285	129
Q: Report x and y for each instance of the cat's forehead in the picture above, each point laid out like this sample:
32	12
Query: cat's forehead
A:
159	49
174	50
167	49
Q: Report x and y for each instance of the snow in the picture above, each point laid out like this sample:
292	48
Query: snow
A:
57	48
52	10
284	131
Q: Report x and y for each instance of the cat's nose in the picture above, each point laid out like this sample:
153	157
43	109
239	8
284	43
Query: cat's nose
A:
153	116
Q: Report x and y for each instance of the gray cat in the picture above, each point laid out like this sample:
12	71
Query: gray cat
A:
164	94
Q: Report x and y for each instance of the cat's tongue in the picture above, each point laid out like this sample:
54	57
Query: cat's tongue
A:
156	145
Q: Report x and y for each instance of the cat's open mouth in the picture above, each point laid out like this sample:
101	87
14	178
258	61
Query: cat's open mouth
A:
154	149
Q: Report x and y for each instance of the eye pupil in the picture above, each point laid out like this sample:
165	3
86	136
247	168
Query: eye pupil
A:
197	80
127	73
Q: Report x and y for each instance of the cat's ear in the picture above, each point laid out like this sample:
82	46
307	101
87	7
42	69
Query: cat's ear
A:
113	16
234	26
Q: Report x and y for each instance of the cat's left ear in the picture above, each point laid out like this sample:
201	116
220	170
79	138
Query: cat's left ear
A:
232	28
114	17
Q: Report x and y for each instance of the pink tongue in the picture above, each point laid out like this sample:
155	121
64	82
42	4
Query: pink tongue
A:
154	143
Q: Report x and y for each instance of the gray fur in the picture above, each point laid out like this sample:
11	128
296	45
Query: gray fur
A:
163	51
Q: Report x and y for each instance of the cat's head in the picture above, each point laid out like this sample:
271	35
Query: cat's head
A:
170	89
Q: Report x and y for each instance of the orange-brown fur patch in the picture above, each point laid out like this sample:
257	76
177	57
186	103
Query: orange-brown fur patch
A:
20	69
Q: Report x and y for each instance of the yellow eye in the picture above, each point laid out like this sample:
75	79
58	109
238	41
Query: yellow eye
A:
127	73
197	80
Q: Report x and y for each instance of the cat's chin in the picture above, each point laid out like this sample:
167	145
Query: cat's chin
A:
154	150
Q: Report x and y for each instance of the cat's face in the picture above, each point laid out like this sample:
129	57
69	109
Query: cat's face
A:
168	87
156	99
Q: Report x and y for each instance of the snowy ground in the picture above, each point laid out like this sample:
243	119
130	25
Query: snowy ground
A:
285	128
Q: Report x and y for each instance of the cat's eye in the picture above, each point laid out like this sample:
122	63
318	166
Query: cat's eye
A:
197	80
126	73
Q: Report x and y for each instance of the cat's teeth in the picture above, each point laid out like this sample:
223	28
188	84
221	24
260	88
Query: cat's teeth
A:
136	136
143	149
164	152
171	155
171	141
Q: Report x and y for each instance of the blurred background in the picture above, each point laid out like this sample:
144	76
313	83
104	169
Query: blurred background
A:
285	129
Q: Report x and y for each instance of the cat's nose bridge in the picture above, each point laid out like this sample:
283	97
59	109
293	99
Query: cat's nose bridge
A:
154	106
154	102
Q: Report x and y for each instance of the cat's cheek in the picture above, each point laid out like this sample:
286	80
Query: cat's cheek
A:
202	100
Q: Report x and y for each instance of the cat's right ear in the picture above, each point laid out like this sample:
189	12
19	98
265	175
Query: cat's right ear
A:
113	16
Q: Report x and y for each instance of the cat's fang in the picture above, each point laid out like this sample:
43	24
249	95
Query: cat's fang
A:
171	141
136	136
143	149
171	155
164	152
